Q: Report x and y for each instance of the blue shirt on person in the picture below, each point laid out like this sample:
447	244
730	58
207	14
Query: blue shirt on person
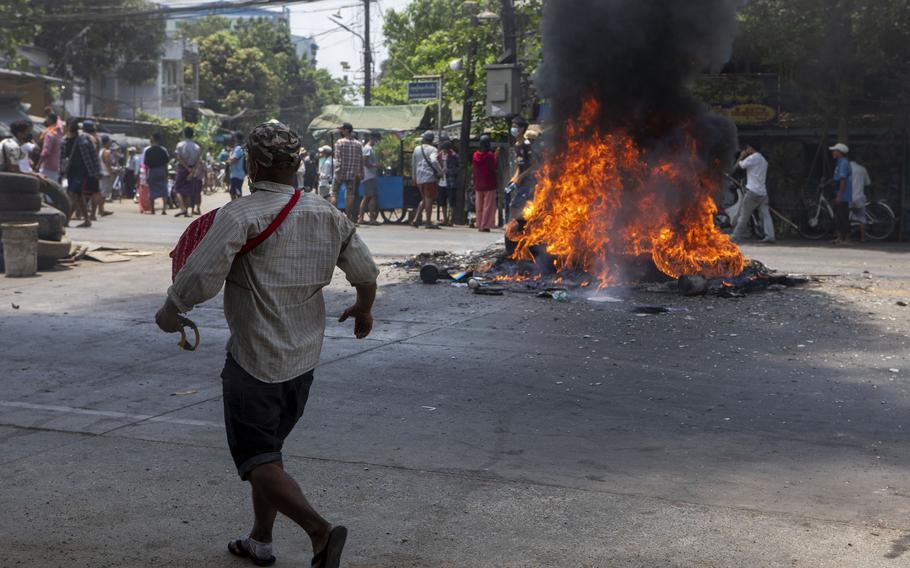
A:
238	168
843	171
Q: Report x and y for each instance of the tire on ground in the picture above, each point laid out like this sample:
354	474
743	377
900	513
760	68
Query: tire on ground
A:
55	195
51	222
17	184
20	201
54	249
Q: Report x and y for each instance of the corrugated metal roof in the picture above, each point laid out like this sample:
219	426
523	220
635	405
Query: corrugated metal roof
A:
28	75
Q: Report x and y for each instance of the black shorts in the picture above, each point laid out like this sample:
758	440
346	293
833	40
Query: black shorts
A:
446	196
259	416
84	186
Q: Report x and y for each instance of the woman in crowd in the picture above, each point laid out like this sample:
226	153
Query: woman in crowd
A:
485	185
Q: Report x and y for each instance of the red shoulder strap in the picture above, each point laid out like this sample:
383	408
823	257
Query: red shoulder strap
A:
261	237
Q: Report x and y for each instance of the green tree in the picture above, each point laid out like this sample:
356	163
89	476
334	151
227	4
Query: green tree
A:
129	46
427	35
233	78
19	34
252	66
202	27
830	50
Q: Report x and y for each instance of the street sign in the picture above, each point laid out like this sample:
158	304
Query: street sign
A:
423	90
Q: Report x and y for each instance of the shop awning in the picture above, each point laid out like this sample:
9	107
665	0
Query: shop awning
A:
388	119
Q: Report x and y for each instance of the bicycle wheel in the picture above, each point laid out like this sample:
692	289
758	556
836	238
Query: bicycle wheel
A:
817	226
880	221
394	216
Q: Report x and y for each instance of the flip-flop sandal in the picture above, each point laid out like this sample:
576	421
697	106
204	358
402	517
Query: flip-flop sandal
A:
330	556
236	548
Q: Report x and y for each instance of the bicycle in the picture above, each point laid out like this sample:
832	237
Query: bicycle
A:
755	223
819	223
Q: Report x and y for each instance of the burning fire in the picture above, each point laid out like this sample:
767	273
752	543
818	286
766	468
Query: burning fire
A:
602	198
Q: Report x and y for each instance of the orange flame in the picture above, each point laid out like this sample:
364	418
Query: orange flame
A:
600	198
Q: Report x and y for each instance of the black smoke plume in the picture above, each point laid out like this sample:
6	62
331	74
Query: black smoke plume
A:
638	59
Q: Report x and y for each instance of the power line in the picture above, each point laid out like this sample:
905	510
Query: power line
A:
159	12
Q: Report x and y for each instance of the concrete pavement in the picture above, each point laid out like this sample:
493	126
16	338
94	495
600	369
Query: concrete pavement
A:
476	431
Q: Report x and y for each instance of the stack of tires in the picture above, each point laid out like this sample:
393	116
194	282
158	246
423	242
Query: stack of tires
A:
26	198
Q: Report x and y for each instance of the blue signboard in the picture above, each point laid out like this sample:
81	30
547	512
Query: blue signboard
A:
423	90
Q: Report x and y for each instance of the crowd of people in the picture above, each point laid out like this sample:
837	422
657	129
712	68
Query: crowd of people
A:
94	170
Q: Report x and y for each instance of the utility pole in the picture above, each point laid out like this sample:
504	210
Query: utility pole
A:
509	37
367	56
464	146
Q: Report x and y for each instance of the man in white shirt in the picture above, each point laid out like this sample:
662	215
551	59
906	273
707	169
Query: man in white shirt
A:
326	172
756	197
861	181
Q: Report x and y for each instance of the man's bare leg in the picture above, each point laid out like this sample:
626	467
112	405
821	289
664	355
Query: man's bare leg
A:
264	514
278	491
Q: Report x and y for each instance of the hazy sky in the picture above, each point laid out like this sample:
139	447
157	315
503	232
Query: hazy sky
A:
335	44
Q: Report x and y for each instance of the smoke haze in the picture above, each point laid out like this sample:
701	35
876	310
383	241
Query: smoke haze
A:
638	58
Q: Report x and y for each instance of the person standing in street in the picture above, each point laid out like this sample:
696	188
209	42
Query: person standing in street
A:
106	181
843	182
155	159
861	181
426	173
310	172
188	155
448	184
51	140
237	164
756	167
326	172
371	168
348	170
486	164
275	310
82	171
131	173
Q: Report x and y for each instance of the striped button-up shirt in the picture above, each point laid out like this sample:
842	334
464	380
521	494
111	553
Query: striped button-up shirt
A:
273	296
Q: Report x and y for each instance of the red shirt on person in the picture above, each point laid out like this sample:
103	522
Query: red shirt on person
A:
485	166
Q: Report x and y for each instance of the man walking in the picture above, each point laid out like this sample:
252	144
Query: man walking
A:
82	171
861	181
371	167
843	182
237	164
348	169
275	310
756	197
188	154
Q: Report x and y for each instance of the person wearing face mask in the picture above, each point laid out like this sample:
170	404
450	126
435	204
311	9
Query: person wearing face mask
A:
521	189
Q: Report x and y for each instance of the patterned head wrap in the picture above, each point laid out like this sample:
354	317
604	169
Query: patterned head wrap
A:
273	144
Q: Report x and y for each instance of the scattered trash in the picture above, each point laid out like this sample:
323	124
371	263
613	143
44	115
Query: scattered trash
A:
561	296
428	408
895	371
489	290
429	274
15	306
902	304
459	285
604	299
650	310
184	393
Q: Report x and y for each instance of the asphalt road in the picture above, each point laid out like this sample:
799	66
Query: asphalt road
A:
474	431
127	228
